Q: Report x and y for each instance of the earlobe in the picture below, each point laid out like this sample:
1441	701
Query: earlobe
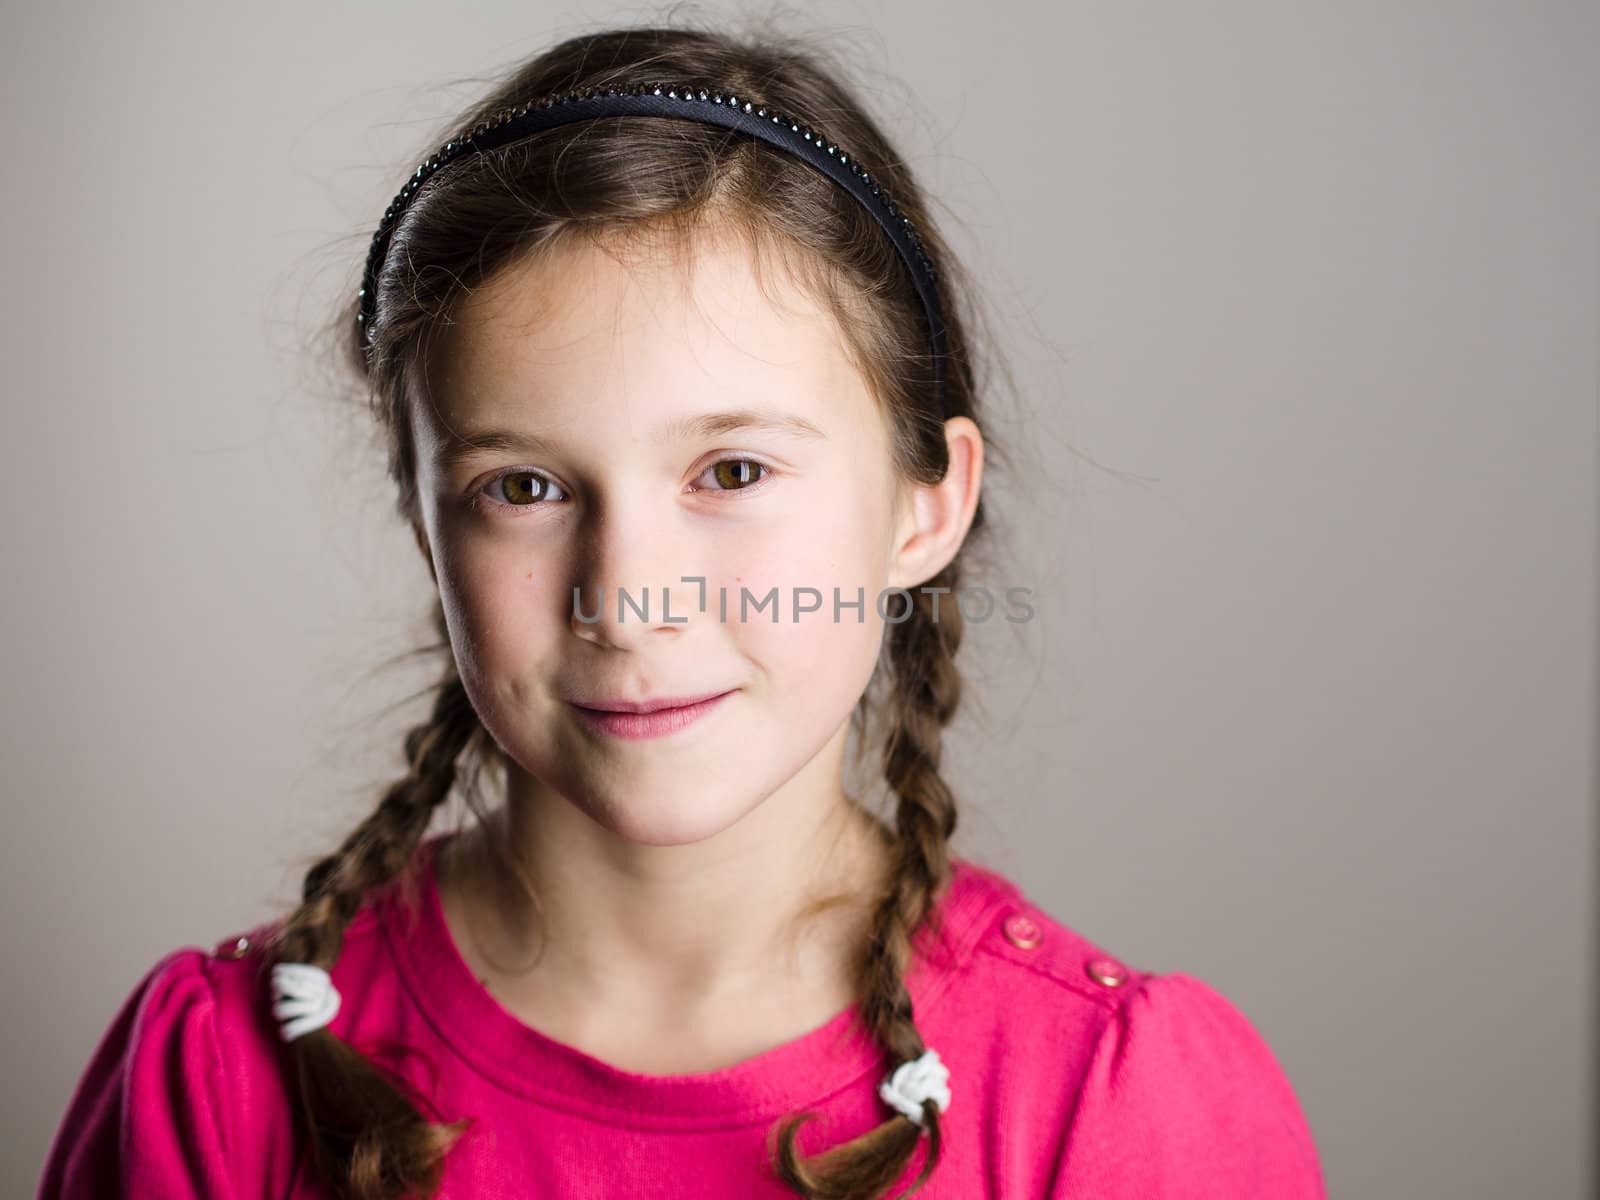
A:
421	537
934	518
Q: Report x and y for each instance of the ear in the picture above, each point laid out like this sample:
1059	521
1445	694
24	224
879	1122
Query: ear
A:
421	534
933	519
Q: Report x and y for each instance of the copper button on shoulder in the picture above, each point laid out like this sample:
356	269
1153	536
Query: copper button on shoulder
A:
1022	931
1107	971
240	948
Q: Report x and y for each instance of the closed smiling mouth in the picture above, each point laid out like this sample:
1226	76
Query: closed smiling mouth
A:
662	716
646	706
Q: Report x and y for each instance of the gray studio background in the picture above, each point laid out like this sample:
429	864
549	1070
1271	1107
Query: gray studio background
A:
1303	303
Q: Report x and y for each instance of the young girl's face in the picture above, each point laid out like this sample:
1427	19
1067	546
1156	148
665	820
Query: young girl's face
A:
663	418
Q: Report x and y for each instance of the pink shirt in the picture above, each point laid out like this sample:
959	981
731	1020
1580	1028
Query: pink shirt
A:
1072	1076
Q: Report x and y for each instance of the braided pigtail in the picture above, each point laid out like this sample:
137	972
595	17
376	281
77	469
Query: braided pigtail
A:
926	690
368	1135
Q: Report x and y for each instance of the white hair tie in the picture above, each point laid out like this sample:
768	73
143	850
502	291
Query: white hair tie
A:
920	1079
304	998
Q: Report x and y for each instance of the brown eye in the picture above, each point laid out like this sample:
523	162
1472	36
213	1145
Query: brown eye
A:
521	488
735	474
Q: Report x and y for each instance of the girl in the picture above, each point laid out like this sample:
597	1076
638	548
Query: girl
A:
682	411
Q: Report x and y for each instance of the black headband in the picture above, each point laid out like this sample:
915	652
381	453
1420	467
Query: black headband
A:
690	103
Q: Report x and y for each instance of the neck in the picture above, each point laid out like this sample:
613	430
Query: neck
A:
560	916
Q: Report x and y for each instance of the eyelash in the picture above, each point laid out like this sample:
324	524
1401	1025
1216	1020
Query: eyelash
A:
479	501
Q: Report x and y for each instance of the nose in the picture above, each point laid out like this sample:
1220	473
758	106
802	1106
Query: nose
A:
628	583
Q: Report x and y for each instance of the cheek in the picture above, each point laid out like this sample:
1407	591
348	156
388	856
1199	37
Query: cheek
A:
817	655
825	654
503	605
833	534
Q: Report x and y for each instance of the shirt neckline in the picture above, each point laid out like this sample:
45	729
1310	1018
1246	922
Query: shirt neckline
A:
519	1059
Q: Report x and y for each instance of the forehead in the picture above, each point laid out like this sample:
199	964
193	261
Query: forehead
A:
644	334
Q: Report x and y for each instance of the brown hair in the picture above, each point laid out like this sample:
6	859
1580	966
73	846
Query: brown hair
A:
638	177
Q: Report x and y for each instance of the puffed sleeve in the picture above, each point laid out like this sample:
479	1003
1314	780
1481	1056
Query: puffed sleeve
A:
1183	1098
147	1117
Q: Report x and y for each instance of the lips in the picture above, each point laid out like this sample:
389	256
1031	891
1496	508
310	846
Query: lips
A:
656	704
654	723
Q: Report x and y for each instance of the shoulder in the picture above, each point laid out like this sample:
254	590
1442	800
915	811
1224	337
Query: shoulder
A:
1182	1090
154	1106
1032	953
188	1090
1029	1002
1153	1079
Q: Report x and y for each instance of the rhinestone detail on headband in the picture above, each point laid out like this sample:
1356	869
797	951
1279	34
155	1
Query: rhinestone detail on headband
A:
660	99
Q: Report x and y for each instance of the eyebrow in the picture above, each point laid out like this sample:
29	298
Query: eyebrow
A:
466	445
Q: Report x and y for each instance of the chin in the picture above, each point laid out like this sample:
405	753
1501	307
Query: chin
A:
673	821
